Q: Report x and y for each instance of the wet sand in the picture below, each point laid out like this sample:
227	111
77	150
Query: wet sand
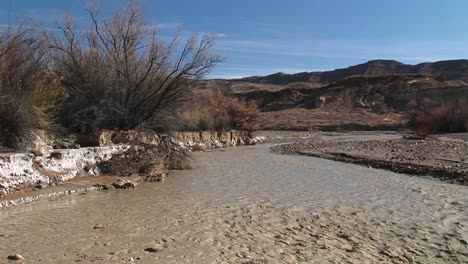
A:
248	205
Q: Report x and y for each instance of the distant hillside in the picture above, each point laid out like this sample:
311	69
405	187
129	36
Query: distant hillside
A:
450	70
397	90
372	95
358	102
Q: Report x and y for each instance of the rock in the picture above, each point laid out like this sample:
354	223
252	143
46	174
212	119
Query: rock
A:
56	155
98	226
153	249
109	137
344	236
156	173
40	185
15	257
123	184
104	186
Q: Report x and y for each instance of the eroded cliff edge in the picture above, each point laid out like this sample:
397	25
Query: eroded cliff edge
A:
46	167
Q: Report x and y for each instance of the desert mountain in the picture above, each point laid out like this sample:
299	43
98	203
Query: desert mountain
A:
450	70
372	95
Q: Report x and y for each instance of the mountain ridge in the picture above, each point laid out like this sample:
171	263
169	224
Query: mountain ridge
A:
448	69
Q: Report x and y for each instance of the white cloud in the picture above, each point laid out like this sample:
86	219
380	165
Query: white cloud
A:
234	71
226	76
282	52
340	49
265	69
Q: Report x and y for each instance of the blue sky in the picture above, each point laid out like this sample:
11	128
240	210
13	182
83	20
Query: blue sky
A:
260	37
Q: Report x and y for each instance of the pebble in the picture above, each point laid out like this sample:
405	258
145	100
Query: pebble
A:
124	184
153	249
15	257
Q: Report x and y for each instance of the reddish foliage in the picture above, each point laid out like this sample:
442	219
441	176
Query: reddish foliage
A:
226	112
436	117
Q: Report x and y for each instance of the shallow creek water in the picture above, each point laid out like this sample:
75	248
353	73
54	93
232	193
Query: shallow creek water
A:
248	205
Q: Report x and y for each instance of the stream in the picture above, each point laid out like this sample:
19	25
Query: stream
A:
248	205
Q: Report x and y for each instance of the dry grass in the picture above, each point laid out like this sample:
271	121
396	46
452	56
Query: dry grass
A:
30	94
301	119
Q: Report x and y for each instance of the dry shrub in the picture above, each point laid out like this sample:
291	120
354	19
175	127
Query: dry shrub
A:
47	95
205	120
211	110
30	94
121	74
18	122
439	117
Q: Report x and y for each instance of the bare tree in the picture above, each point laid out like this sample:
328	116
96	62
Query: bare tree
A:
121	74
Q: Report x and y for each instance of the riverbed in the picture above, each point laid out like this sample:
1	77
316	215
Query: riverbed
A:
249	205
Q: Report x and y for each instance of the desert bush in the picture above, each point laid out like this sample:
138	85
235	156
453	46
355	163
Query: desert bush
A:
30	94
211	110
121	74
205	120
431	117
18	123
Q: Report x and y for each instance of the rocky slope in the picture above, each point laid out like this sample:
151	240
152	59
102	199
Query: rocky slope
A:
450	70
356	102
373	95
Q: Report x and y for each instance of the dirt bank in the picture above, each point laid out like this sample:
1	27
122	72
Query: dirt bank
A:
24	176
444	157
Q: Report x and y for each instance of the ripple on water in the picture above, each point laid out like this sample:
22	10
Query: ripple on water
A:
199	206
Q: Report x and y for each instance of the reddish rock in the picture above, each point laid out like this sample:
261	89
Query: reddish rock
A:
15	257
153	249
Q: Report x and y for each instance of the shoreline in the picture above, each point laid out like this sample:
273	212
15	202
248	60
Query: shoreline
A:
455	177
444	158
77	185
53	173
290	142
250	205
